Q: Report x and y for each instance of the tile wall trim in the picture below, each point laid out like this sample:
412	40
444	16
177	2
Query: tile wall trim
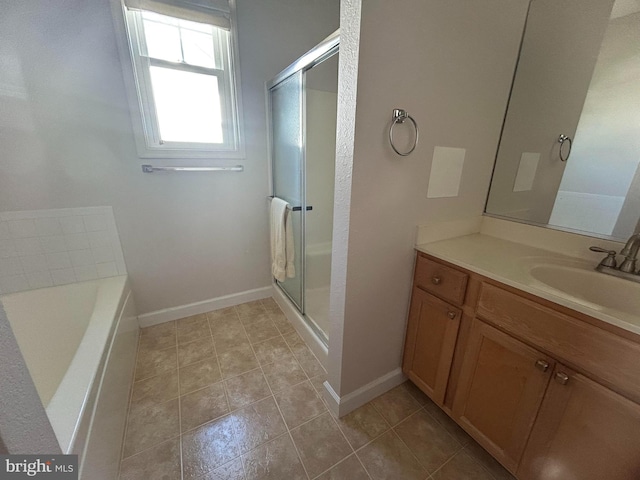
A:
45	248
175	313
341	406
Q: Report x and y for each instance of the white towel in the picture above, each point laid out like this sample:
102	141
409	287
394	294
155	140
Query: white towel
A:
282	247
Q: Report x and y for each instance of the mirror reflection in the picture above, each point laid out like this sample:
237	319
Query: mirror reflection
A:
578	76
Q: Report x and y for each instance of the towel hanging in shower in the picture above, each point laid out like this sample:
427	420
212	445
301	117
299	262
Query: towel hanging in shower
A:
282	247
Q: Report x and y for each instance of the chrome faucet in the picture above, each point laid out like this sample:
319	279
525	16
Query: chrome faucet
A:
609	260
627	268
630	252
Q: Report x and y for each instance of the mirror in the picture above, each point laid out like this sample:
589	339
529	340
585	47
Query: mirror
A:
578	75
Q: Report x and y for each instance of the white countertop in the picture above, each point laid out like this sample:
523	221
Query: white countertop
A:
510	263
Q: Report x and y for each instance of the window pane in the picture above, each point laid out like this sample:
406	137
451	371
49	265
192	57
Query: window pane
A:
163	41
198	48
187	105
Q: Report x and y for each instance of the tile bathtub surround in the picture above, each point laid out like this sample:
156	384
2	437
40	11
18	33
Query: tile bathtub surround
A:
240	406
44	248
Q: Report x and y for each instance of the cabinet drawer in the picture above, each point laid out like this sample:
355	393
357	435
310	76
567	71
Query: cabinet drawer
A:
613	360
445	282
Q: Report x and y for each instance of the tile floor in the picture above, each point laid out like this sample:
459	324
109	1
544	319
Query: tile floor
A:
234	394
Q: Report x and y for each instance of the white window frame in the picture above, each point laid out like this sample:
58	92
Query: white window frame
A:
140	95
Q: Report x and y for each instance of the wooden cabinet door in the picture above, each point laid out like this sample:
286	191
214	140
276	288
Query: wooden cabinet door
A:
499	392
431	339
584	432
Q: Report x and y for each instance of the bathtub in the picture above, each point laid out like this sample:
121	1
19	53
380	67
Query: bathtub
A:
79	344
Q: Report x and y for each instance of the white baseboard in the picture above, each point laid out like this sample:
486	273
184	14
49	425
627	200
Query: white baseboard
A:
174	313
341	406
293	315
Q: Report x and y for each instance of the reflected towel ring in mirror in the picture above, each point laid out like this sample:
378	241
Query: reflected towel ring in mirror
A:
561	140
399	116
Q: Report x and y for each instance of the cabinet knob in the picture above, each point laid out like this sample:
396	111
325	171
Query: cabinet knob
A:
452	315
436	280
562	378
542	365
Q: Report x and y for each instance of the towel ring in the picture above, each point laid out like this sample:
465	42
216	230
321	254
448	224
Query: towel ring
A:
399	116
561	140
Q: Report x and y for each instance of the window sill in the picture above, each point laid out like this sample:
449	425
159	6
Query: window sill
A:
182	154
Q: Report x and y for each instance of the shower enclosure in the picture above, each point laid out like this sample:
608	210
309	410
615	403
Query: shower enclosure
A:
302	109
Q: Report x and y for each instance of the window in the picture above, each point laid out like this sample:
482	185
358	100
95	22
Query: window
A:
182	59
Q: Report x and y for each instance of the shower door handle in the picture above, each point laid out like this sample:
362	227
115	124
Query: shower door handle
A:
298	209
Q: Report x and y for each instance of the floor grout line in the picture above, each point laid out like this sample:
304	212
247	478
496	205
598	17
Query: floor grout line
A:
126	420
224	384
155	375
226	393
364	469
292	340
130	404
372	440
356	450
407	445
223	380
353	452
152	447
391	429
475	459
179	406
423	408
380	413
215	352
215	355
442	466
338	463
288	431
308	420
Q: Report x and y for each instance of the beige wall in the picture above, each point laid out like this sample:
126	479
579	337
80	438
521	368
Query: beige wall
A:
66	141
553	76
607	148
606	155
450	64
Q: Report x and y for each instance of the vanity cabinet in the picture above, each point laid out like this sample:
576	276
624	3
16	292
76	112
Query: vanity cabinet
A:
433	326
500	390
431	340
549	392
584	431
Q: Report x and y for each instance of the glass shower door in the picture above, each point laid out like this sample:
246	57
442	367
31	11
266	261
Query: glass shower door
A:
321	99
287	124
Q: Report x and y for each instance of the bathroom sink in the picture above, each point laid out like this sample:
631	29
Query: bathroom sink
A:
587	285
